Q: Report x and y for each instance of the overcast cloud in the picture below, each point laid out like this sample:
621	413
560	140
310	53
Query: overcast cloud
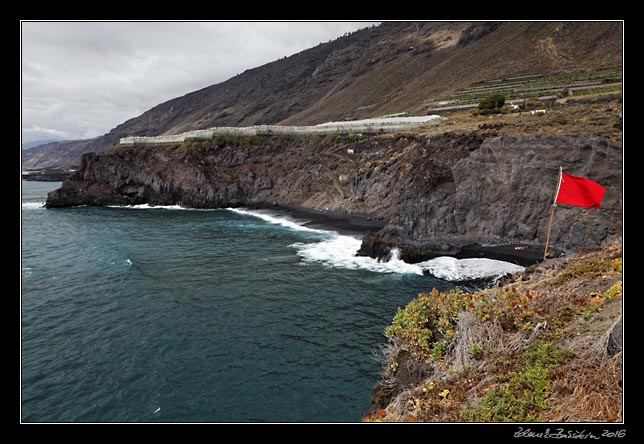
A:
81	79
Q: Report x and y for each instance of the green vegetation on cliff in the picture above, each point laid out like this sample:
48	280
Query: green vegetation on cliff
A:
427	325
544	347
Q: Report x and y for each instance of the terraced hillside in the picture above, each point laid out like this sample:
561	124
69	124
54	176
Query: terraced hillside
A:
535	86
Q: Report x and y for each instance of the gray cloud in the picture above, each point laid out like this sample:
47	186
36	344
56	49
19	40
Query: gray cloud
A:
81	79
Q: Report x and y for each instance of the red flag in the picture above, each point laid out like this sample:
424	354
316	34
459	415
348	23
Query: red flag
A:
576	190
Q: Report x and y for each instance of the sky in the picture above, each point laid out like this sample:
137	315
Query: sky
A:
81	79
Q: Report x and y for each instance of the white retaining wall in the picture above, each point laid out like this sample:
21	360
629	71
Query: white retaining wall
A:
264	130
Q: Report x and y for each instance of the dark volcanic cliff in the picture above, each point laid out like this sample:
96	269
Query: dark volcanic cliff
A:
433	194
503	192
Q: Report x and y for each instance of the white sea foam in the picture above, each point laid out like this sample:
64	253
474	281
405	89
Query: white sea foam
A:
336	250
149	207
33	205
278	221
340	251
451	269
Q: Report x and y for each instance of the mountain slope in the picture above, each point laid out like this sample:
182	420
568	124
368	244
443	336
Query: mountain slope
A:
55	155
35	143
394	67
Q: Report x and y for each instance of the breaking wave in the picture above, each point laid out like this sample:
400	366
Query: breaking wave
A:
452	269
150	207
339	251
287	223
33	205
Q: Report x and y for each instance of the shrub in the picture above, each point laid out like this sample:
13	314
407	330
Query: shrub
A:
589	267
410	325
509	306
615	291
522	397
492	102
427	325
438	350
476	351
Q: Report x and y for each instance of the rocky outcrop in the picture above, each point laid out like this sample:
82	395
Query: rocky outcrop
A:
502	192
436	196
615	338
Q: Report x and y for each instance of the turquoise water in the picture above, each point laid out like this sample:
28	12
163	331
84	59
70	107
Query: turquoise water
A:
168	315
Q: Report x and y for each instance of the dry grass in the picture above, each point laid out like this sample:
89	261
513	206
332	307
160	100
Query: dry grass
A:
570	118
588	389
469	331
488	371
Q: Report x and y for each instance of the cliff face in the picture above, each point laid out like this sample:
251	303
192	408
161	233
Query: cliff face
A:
435	193
504	190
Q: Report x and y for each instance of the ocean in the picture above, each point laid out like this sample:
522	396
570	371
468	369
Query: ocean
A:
172	315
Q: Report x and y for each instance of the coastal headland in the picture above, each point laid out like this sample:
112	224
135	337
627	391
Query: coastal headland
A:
453	189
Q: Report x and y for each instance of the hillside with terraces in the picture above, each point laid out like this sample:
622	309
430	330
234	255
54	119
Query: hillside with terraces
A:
534	87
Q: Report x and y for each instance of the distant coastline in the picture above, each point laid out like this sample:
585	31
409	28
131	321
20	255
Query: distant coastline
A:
48	175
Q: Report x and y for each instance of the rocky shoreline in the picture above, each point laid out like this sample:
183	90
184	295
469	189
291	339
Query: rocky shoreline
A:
519	254
352	225
343	223
459	194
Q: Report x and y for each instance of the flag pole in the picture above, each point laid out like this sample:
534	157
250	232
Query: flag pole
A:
552	213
